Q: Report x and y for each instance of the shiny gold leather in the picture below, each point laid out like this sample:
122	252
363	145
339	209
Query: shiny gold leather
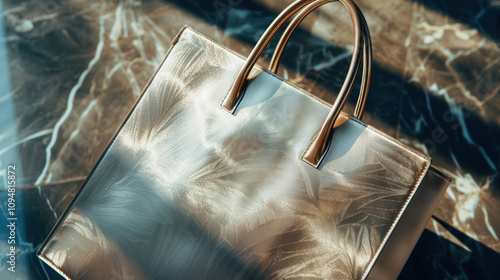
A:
187	191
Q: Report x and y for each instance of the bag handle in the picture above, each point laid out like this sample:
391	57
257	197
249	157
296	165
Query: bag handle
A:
367	53
320	144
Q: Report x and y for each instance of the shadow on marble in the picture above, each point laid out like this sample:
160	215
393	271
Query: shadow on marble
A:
436	258
482	15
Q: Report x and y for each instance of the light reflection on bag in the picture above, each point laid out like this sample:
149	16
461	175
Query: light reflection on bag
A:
222	170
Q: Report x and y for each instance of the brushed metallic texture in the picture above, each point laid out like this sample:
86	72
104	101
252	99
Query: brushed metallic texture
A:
410	226
187	191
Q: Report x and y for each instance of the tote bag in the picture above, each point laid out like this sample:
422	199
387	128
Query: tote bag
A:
224	170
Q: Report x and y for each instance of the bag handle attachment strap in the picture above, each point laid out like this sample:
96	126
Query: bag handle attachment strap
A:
367	53
320	144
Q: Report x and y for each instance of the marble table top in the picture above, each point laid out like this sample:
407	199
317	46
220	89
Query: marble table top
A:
70	70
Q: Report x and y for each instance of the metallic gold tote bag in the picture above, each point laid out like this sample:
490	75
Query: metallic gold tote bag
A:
223	170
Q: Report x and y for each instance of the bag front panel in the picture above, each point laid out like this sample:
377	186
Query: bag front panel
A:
188	191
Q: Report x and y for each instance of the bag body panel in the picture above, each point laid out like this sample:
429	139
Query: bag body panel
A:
187	191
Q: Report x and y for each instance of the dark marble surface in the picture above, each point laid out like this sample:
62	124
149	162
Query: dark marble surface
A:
71	69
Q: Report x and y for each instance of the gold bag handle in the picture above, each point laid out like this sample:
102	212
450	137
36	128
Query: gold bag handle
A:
320	144
367	53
